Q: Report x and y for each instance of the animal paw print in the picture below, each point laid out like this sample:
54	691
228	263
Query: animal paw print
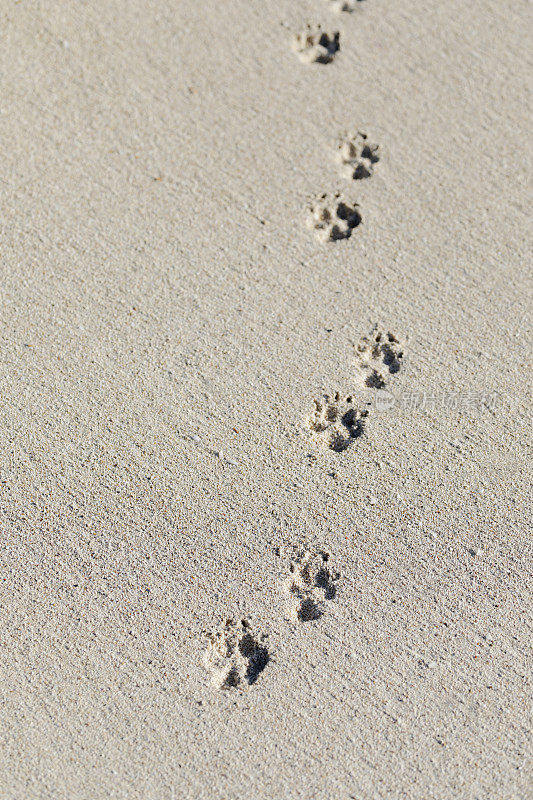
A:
336	422
342	5
379	355
332	218
316	45
358	156
234	657
311	583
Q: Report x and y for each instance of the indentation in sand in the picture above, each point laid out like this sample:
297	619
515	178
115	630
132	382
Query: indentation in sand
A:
316	45
310	585
379	355
357	155
342	5
234	656
333	218
335	421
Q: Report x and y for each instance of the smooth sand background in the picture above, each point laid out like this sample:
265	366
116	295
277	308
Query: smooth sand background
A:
158	283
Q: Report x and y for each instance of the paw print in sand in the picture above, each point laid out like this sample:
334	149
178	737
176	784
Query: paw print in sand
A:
357	155
342	5
332	218
234	657
310	584
336	422
378	356
316	45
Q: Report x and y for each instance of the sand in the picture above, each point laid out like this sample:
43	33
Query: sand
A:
215	582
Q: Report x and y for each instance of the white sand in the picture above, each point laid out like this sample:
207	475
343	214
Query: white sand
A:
168	319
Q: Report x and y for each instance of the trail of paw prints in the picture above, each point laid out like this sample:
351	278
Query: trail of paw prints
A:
357	155
342	5
379	355
310	585
336	422
332	217
234	656
314	45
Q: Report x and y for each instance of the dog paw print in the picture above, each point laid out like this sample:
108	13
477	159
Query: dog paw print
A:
332	218
234	656
357	155
316	45
342	5
378	355
310	584
336	422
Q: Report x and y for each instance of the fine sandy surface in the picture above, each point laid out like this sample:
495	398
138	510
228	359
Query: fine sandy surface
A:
168	318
